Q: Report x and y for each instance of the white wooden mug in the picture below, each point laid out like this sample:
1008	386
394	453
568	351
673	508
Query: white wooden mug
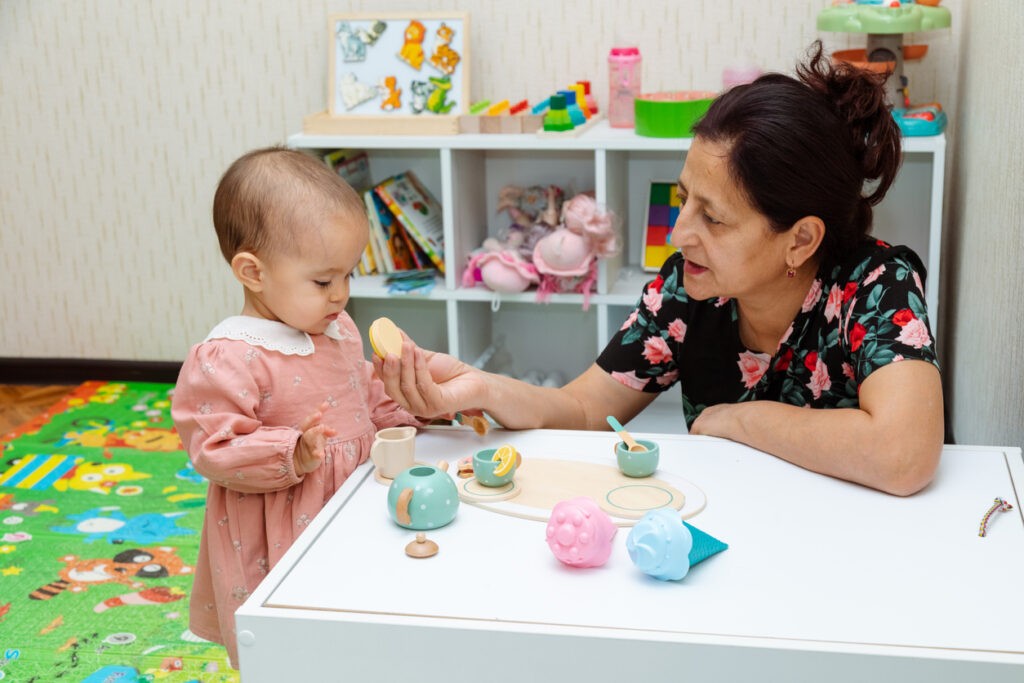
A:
393	450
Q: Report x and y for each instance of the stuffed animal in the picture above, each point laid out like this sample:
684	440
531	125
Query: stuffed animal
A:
505	263
566	259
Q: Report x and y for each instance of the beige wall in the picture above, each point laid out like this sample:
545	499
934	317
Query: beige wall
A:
117	118
984	313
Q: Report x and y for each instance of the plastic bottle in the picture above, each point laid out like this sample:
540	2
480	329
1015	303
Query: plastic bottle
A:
624	85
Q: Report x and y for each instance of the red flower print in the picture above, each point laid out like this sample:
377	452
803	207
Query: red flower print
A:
813	294
902	317
874	274
857	336
849	290
832	306
656	284
630	320
752	367
820	381
656	350
882	244
915	333
811	360
630	380
668	378
652	299
677	330
784	360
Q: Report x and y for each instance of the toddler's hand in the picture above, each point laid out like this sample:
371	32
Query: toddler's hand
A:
309	452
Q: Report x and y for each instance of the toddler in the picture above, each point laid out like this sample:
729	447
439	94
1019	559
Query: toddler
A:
277	406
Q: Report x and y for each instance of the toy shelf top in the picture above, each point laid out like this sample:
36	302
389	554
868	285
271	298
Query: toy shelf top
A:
600	137
879	19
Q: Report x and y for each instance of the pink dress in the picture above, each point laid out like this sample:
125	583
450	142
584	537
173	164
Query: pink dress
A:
240	395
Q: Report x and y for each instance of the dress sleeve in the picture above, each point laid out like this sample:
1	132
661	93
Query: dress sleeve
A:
887	319
215	410
642	354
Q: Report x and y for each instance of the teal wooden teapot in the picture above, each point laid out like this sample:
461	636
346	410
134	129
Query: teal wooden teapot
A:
423	497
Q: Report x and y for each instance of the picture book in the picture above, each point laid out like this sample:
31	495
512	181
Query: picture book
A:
353	166
417	211
378	241
396	242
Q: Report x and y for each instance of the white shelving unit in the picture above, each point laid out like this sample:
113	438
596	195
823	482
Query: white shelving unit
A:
465	173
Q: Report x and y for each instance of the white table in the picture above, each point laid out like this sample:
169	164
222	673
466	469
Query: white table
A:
822	580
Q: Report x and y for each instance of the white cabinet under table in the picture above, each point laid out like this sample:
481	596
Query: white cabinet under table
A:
823	580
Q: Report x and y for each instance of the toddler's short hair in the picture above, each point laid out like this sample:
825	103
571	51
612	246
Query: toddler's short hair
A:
265	195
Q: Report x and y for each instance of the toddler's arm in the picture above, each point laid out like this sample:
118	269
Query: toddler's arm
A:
214	410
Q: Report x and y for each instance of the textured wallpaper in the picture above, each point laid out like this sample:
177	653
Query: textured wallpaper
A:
118	117
984	317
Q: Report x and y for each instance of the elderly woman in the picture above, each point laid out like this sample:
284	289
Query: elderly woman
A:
786	326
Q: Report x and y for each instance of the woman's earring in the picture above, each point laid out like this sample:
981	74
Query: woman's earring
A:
790	273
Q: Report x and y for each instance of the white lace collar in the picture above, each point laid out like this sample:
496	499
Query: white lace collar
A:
269	334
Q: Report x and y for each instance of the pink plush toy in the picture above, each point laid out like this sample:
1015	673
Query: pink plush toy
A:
505	263
566	259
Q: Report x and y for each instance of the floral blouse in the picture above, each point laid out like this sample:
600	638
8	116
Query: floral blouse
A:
863	314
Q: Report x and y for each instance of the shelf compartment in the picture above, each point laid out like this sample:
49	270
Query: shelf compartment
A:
478	175
424	320
528	337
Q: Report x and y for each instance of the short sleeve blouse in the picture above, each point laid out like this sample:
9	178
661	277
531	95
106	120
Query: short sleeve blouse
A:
861	315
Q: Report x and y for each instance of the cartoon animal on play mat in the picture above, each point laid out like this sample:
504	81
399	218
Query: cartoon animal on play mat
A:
67	472
126	567
102	433
112	524
26	508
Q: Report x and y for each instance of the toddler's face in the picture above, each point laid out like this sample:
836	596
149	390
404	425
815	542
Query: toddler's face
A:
308	288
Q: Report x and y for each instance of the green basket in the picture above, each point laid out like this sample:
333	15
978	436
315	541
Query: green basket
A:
670	114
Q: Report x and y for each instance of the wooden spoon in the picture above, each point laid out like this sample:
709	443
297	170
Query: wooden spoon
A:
626	437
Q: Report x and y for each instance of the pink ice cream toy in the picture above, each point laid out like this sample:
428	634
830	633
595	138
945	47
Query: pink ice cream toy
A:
580	533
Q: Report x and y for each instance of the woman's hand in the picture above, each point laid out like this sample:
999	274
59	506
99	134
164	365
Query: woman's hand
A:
309	452
429	384
718	420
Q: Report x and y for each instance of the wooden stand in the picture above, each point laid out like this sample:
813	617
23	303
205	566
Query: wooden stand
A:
323	123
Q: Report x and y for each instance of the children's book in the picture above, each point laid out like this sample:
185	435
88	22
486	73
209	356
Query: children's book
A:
418	212
378	240
395	241
353	166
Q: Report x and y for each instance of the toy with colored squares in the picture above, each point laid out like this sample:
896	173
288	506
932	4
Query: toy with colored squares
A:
662	210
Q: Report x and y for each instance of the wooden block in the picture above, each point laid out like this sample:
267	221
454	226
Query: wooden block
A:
469	124
530	123
323	123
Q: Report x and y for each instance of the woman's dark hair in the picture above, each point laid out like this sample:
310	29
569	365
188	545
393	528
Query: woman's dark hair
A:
806	146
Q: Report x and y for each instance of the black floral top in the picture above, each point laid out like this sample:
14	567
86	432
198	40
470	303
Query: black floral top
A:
864	314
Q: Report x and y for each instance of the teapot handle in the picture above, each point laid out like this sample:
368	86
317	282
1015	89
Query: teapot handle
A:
402	506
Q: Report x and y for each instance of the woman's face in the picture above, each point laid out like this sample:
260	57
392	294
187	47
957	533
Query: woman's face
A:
729	247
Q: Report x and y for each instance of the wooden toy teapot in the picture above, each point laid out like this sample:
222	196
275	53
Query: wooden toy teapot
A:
423	497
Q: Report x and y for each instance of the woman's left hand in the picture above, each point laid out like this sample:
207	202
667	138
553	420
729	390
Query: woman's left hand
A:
718	420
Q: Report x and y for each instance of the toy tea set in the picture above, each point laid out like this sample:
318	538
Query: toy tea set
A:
579	529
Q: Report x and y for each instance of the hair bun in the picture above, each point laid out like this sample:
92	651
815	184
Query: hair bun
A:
858	97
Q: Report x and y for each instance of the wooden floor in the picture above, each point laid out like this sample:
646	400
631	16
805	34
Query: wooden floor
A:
20	403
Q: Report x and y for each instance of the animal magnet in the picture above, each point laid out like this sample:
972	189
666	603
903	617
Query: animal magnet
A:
445	59
412	51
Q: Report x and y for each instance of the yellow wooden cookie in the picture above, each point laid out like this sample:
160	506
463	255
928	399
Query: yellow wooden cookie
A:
385	337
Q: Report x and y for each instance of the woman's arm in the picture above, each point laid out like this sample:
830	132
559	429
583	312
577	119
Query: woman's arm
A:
433	384
892	442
